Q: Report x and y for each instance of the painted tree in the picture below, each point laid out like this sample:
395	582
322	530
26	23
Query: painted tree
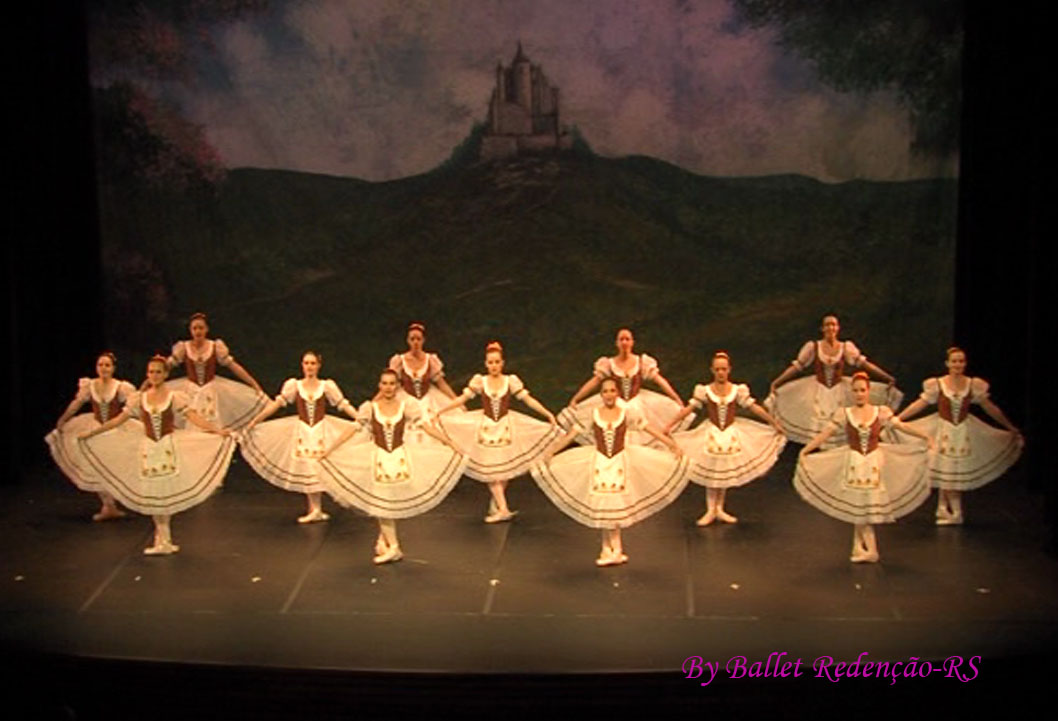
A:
135	46
913	47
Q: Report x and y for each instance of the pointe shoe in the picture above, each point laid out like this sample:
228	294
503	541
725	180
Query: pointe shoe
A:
725	516
864	557
314	516
108	513
500	517
610	558
380	547
391	555
707	518
951	520
161	548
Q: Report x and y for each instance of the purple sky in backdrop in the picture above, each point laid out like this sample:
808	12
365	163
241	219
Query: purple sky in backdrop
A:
387	88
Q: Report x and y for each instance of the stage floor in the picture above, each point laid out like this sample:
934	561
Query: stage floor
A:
251	588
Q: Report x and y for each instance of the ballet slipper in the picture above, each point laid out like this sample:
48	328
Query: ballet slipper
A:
108	513
500	516
865	557
314	516
707	518
391	555
161	548
607	558
725	516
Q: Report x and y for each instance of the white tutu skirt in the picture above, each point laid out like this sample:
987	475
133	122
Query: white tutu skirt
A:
732	457
653	407
968	455
880	487
225	403
285	452
159	478
499	452
652	479
804	406
407	482
67	454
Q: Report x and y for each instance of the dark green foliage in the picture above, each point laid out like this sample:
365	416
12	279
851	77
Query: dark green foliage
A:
911	46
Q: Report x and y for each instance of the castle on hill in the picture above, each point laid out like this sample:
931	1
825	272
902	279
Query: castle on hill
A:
523	112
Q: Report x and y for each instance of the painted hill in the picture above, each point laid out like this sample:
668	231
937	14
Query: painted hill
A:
550	255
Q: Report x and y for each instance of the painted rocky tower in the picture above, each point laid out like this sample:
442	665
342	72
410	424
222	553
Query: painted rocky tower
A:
523	112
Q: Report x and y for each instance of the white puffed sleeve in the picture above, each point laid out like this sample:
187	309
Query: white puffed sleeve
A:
837	418
221	352
742	396
930	391
335	397
396	363
124	391
885	414
177	355
979	389
364	413
699	397
436	366
474	386
805	356
636	421
516	387
84	390
288	393
603	368
648	366
180	402
134	404
853	356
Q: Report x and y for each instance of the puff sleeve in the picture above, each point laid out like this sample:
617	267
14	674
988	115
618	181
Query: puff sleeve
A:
805	356
221	353
288	393
930	391
516	387
698	398
648	366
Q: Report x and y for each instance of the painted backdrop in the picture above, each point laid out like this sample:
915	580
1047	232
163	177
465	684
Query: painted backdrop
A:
316	173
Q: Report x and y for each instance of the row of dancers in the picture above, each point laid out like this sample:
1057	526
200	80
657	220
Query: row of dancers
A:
400	453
